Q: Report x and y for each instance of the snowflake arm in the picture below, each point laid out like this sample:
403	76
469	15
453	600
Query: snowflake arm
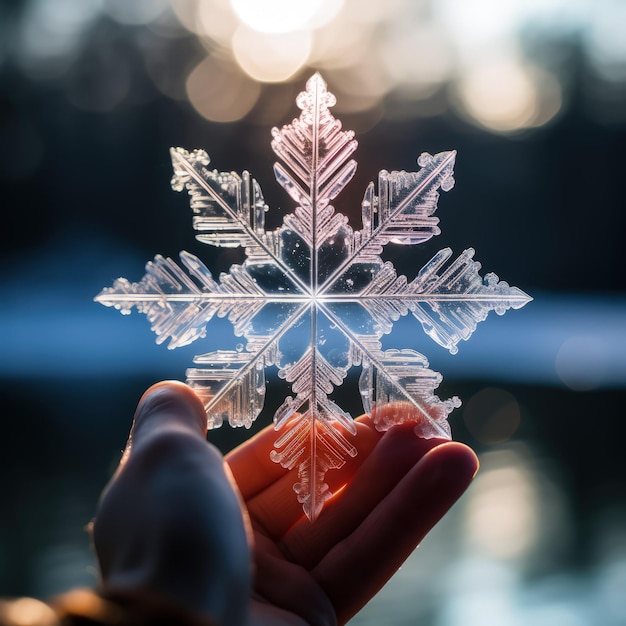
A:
402	378
177	308
315	154
459	297
231	386
399	377
316	168
229	211
449	304
401	212
312	439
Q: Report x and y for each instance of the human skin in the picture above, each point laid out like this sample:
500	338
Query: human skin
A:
225	537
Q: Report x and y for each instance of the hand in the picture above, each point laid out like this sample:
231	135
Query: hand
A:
229	540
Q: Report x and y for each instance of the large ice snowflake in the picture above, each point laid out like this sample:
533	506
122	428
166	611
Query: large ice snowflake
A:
314	297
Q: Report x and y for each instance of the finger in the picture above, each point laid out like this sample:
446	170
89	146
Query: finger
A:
170	520
254	471
251	465
396	454
169	403
276	508
290	587
357	567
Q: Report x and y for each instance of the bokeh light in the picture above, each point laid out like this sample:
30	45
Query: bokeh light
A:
502	515
494	62
215	20
369	51
276	16
271	57
500	95
219	93
492	415
505	95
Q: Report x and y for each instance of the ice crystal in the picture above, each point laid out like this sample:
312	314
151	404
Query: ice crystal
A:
313	297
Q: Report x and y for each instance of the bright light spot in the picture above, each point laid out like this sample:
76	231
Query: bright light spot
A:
492	415
27	612
276	16
502	511
418	49
137	12
219	92
582	362
503	95
498	95
326	13
217	21
271	57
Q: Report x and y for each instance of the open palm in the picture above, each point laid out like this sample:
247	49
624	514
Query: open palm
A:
235	545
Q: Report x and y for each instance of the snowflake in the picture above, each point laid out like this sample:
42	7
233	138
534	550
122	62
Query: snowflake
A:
314	297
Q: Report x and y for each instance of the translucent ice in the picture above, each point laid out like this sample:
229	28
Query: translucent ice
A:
314	297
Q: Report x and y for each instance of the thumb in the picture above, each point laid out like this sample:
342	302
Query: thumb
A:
167	405
170	521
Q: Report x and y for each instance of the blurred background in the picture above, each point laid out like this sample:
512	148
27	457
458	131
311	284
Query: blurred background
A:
532	94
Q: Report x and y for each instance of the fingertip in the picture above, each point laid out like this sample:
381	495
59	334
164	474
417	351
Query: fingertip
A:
452	463
459	455
170	388
461	452
170	401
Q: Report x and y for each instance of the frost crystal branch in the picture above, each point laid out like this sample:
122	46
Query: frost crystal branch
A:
313	297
